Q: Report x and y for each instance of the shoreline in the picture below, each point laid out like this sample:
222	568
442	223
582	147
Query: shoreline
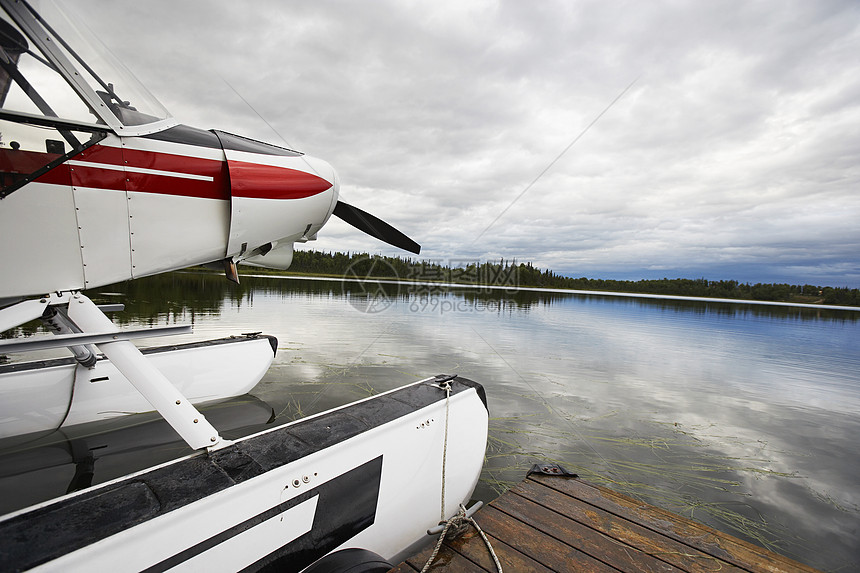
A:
397	281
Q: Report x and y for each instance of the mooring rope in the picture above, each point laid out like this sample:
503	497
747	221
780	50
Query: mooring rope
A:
459	522
447	387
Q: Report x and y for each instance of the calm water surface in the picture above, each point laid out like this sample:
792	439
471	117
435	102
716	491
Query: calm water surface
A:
744	417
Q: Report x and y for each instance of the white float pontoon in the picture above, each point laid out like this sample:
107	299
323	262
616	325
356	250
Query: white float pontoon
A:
367	475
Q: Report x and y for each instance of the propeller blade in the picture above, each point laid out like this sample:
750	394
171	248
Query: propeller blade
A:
375	227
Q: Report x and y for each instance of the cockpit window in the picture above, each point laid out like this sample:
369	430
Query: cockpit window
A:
52	65
30	84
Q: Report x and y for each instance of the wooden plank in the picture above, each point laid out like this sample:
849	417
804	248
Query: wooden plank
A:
447	560
473	547
721	545
468	553
666	549
553	554
549	523
566	532
451	562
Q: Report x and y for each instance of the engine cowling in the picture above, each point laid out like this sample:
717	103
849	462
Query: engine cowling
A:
277	197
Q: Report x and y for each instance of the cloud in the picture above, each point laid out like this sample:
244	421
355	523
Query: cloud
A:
736	151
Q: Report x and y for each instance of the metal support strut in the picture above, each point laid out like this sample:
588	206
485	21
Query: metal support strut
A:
146	378
58	323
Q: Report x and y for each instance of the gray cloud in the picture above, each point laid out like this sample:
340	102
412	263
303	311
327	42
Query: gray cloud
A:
735	155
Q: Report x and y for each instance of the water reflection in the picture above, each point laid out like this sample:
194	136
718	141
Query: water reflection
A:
187	293
42	466
743	416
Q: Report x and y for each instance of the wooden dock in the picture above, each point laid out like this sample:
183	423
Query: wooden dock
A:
550	523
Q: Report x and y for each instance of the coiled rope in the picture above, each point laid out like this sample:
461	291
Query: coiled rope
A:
459	522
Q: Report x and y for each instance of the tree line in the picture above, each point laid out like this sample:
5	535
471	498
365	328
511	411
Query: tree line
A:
511	273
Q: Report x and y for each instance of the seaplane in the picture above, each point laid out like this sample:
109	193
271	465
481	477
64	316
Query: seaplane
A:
100	184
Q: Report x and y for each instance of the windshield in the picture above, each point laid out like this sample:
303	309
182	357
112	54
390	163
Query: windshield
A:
51	65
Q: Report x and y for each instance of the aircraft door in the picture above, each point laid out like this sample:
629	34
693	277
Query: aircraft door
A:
102	211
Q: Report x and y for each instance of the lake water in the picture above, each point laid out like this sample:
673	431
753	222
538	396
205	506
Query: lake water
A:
745	417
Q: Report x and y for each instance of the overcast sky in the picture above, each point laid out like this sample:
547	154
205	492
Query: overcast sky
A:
735	154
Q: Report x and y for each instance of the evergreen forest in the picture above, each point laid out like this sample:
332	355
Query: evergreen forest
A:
514	274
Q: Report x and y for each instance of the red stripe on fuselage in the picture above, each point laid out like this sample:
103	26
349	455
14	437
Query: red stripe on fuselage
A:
99	177
269	182
124	177
247	179
217	188
101	154
59	175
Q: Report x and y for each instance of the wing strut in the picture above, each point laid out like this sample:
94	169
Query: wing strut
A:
96	328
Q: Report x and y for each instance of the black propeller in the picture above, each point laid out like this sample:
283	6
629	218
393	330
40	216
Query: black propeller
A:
375	227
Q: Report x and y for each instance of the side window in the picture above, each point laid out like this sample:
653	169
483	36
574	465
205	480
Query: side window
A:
30	84
65	72
33	97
